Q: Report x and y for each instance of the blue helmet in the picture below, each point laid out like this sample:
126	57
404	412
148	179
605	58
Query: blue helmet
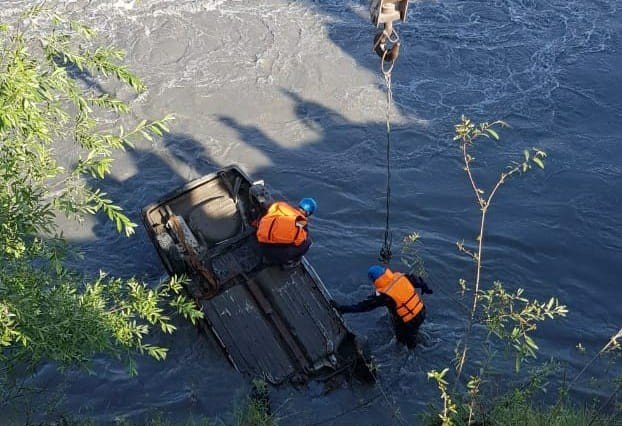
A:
375	271
308	205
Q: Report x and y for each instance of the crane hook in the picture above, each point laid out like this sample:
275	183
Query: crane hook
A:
387	45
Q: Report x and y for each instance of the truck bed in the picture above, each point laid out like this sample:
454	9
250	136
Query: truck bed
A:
270	322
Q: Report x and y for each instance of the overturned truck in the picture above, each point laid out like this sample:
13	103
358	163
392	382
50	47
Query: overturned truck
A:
270	322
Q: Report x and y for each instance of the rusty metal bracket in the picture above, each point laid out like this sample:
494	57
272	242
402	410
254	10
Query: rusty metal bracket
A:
191	255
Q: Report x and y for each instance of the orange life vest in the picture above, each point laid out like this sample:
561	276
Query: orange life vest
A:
282	224
400	289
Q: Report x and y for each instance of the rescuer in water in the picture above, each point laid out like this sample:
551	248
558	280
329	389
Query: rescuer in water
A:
282	232
397	292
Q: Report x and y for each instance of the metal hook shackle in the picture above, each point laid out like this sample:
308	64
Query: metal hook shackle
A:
387	41
386	46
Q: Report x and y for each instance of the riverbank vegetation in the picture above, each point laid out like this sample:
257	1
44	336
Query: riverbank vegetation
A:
504	321
55	147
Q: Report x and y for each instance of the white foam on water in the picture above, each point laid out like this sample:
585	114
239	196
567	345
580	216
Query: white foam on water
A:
124	4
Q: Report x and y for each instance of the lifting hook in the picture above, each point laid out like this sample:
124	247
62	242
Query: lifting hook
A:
388	53
384	12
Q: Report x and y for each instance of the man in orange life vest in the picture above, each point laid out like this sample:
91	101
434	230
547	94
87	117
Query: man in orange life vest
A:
397	292
282	232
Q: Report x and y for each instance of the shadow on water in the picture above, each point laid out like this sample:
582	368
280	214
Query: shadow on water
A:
352	32
326	167
142	177
195	366
323	167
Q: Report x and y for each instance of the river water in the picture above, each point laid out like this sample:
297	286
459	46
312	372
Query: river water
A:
291	91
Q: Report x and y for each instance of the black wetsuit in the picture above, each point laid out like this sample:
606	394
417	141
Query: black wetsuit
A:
281	254
406	333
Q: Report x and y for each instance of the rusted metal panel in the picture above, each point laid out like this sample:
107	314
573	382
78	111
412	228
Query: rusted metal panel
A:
247	335
308	314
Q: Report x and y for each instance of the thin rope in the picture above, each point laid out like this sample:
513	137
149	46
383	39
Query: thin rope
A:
385	252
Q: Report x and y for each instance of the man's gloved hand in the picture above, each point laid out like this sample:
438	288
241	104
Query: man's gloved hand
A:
424	287
427	290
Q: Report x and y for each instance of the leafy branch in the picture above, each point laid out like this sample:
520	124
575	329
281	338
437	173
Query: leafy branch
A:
467	133
42	65
449	406
511	317
52	76
506	315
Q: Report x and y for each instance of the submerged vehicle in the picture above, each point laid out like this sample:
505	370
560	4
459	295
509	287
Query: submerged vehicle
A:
271	322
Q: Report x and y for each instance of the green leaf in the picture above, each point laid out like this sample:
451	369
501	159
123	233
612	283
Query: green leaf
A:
550	304
538	162
493	133
54	313
529	341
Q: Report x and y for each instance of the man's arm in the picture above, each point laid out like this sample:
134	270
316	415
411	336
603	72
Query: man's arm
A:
418	282
371	302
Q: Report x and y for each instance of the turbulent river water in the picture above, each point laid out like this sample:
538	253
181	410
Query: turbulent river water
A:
291	91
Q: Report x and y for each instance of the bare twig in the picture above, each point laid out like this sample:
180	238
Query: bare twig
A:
613	341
